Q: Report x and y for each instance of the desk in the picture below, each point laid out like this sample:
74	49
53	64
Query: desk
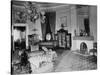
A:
48	44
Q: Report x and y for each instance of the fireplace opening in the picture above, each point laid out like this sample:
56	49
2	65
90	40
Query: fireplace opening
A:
83	48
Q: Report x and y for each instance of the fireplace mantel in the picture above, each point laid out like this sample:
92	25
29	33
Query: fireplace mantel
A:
83	38
77	40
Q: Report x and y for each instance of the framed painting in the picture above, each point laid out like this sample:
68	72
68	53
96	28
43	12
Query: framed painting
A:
64	20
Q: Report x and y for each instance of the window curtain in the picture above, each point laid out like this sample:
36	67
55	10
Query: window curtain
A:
43	26
52	20
16	35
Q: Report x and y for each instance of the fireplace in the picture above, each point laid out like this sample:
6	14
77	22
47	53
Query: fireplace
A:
87	42
83	48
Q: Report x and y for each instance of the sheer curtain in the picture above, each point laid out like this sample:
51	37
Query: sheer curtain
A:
43	26
16	34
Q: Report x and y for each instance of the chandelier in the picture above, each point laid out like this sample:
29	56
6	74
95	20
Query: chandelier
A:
32	11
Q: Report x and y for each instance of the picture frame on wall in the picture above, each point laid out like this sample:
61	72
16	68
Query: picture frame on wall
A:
64	20
19	14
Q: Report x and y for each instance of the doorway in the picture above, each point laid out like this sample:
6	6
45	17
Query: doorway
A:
49	26
19	37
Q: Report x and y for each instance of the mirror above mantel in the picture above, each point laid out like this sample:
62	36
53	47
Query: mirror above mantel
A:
83	21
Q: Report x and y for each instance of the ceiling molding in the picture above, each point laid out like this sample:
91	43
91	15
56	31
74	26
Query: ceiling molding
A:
54	8
41	5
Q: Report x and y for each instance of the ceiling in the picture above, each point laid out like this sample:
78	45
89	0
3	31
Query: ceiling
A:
40	4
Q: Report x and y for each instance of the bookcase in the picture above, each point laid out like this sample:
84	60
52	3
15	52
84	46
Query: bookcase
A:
64	39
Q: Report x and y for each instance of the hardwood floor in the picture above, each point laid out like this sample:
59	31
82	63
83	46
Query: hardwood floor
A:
69	61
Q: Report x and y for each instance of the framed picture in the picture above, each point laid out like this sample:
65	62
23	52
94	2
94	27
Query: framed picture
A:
64	20
19	14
